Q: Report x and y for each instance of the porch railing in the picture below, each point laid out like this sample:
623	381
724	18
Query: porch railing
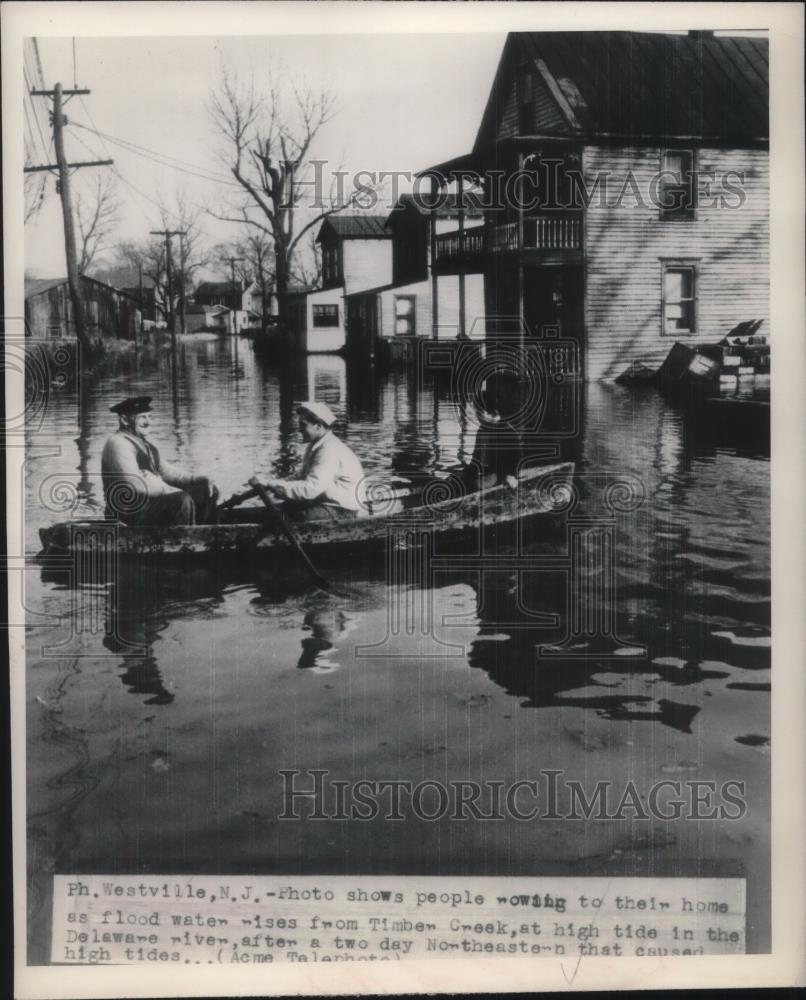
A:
453	245
542	232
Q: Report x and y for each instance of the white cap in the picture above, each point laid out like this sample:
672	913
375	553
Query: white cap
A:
319	411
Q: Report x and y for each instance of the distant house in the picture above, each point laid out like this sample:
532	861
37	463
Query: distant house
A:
645	218
356	254
198	317
108	311
404	306
220	293
232	296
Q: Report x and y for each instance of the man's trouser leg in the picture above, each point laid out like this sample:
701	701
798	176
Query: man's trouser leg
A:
199	492
169	509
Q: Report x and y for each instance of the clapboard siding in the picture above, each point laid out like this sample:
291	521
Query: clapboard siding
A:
367	264
448	298
547	115
325	338
624	247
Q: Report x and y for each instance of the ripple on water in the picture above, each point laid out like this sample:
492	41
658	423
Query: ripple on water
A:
747	637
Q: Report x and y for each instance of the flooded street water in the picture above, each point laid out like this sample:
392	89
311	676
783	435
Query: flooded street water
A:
156	746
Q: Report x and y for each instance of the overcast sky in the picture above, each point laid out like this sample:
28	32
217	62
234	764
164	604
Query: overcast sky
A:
405	101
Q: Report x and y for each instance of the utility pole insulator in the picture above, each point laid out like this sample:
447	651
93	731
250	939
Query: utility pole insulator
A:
58	120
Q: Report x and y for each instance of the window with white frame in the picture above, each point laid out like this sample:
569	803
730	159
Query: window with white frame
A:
405	324
679	299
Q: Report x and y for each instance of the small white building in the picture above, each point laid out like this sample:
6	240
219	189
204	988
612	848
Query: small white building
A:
356	255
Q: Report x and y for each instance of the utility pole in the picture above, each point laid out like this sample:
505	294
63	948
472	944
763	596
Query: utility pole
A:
63	167
140	289
182	326
168	233
232	262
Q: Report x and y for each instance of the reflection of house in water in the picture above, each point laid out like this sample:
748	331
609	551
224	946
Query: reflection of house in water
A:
327	379
507	644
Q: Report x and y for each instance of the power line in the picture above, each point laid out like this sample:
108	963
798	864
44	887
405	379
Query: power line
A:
35	111
92	121
142	194
161	159
155	152
33	118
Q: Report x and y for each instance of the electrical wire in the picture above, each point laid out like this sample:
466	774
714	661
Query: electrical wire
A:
35	109
161	159
155	152
33	119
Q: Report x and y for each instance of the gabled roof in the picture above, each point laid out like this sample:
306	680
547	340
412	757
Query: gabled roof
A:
360	227
624	83
447	205
35	286
633	85
219	288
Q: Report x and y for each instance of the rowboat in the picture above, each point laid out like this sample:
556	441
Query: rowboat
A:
443	512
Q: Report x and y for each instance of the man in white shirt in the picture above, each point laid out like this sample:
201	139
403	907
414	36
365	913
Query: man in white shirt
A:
331	480
142	489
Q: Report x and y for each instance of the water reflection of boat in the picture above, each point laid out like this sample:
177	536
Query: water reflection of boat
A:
446	511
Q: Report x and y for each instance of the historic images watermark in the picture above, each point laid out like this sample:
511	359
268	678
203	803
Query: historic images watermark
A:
547	184
313	795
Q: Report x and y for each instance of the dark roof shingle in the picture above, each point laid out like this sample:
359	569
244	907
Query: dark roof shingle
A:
363	227
622	82
219	288
447	205
642	84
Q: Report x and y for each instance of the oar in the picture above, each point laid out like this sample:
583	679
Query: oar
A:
288	532
236	499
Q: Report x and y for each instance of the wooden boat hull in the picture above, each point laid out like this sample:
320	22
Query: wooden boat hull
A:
541	491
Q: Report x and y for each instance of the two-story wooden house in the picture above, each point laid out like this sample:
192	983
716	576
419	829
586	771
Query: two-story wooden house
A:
356	254
405	306
625	180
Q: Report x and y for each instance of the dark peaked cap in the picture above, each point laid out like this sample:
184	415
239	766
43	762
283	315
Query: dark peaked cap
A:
132	406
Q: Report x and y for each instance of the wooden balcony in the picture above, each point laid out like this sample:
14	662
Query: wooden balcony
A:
540	233
461	253
550	237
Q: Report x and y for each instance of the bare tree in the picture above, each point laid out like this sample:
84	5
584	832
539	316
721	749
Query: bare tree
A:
35	185
146	257
307	267
256	264
97	216
267	139
190	255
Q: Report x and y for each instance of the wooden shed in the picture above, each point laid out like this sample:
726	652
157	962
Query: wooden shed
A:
109	312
